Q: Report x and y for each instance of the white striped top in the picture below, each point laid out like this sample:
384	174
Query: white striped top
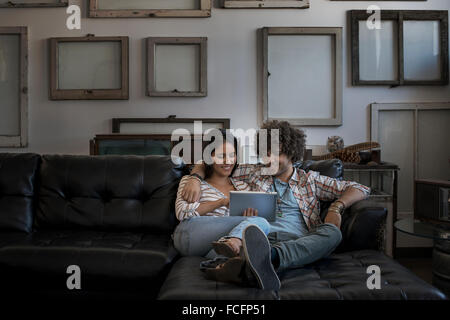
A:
184	209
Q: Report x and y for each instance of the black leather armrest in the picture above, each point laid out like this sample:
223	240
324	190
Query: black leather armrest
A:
363	228
333	168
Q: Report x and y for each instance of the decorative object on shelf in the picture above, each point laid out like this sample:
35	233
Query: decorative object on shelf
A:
33	3
410	48
302	75
177	67
350	153
13	86
89	68
335	143
149	9
164	125
266	4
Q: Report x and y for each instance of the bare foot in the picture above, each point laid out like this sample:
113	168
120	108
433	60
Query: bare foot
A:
236	244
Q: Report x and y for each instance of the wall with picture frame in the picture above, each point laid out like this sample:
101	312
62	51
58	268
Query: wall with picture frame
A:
234	71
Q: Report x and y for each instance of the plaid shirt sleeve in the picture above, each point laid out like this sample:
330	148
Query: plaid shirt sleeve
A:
246	172
328	189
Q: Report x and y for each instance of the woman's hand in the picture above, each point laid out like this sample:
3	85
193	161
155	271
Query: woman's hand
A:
192	190
225	202
250	212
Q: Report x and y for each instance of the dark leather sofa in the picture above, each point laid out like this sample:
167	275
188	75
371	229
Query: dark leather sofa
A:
113	217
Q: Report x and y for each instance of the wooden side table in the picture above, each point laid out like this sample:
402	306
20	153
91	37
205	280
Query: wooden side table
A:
383	180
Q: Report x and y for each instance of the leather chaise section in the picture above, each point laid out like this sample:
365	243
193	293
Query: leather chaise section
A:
339	277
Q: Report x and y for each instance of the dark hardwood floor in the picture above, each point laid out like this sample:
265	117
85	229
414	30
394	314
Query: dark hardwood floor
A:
422	267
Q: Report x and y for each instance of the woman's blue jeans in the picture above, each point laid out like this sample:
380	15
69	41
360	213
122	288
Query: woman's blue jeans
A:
193	236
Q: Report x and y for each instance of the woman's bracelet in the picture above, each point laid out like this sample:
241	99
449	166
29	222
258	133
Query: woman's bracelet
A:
196	176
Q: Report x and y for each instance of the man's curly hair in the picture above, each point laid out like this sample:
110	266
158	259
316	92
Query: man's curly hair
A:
292	140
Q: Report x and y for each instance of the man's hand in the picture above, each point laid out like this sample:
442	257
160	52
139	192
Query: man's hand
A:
334	218
192	190
250	212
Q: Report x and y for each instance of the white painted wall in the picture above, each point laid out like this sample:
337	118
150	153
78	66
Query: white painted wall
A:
233	89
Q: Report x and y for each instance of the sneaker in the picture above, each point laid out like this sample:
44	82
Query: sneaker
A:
257	254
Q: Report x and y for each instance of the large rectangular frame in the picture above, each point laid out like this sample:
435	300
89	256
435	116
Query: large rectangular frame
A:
88	94
338	101
43	4
203	12
375	108
152	42
22	139
400	16
266	4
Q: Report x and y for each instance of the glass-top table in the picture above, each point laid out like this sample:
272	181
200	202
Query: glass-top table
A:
440	233
424	229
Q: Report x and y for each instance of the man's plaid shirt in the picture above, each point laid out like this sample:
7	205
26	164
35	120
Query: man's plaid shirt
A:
308	188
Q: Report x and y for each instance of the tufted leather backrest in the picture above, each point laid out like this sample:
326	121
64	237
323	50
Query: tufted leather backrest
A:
108	192
17	190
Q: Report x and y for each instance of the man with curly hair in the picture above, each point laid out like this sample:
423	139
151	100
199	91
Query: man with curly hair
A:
298	236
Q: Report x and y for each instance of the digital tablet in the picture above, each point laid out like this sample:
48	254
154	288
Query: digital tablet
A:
264	202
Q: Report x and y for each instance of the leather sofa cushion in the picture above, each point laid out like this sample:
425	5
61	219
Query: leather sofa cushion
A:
121	254
108	193
17	177
121	260
339	277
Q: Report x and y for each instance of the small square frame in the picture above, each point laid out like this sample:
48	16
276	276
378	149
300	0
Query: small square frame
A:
152	42
203	12
89	94
21	140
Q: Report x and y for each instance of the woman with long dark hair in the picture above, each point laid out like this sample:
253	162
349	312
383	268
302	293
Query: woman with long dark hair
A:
206	225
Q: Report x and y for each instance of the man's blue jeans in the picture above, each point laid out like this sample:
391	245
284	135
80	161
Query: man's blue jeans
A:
296	252
193	236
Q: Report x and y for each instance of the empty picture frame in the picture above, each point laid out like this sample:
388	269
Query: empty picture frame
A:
165	125
266	4
13	86
302	75
146	9
89	68
33	3
177	67
409	48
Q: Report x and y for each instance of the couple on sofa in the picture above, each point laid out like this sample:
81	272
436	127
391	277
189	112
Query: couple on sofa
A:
248	249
